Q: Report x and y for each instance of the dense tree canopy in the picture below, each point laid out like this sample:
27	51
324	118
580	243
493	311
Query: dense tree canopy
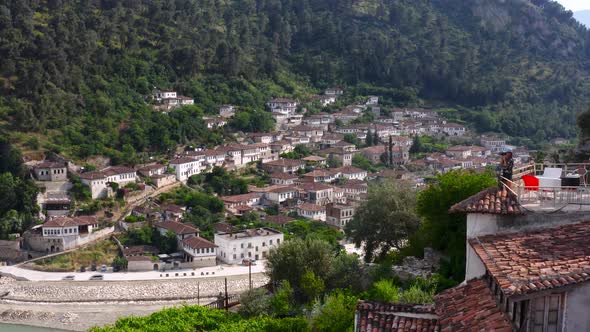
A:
85	67
385	220
440	229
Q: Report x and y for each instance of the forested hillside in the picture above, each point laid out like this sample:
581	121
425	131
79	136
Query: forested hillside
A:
73	74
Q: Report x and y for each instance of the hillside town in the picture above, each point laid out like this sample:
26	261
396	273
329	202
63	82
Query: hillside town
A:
316	169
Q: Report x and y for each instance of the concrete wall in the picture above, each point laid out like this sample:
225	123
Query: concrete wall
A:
138	266
577	309
200	262
481	224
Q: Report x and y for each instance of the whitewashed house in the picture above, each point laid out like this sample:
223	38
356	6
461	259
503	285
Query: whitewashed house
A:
185	167
251	244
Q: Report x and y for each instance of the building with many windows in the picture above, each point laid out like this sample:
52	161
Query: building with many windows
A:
254	244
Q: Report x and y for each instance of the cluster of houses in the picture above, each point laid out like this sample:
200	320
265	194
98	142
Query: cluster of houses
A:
471	157
193	251
168	100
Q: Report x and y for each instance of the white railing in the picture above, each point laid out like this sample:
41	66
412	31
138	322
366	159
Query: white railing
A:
555	197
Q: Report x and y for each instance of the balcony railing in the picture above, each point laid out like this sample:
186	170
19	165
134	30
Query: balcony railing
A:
552	197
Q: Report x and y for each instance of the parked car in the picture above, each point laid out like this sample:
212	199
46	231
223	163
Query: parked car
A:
83	269
70	277
103	268
97	277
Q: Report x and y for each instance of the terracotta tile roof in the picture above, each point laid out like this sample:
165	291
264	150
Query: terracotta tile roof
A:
279	219
152	167
285	189
242	208
350	170
315	186
470	307
138	259
140	250
183	160
94	175
223	227
377	149
322	172
395	317
239	198
490	201
116	170
177	227
284	176
195	242
537	260
173	208
50	164
285	163
64	221
313	158
311	207
282	100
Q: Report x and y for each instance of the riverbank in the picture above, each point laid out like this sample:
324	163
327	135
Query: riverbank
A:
78	306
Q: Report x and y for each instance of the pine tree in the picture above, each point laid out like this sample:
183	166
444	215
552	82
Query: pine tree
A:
416	145
369	139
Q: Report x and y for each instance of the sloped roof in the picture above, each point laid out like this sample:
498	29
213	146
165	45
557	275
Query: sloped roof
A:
196	242
396	317
527	262
64	221
285	163
284	176
311	207
177	228
239	198
490	201
279	219
50	164
470	307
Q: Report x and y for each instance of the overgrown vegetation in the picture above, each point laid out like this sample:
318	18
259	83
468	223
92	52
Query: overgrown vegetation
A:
18	193
96	254
197	318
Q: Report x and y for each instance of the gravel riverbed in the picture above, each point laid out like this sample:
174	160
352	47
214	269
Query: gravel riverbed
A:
79	305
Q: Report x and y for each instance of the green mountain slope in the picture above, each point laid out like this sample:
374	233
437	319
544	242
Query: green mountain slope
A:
77	71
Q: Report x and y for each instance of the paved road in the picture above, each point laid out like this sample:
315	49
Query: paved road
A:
216	271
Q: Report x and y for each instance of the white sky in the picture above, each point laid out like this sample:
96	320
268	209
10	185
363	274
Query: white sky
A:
575	5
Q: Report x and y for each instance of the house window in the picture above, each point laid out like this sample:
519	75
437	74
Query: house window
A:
546	313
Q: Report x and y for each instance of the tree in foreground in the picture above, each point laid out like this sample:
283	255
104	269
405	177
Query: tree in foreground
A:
336	314
440	229
296	258
386	220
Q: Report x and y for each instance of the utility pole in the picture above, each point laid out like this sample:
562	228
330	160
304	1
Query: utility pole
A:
250	274
226	299
198	293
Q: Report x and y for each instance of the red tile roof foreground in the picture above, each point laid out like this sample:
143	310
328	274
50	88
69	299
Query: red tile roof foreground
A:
533	261
470	307
396	317
490	201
